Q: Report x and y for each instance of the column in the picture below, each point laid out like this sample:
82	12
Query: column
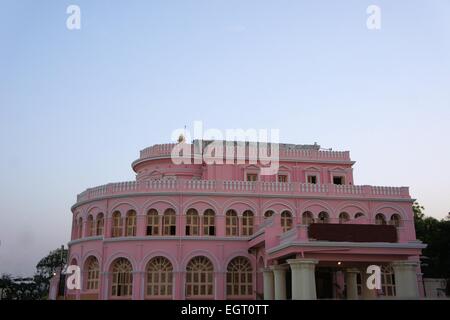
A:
220	285
141	225
138	277
406	286
351	282
303	279
367	294
279	275
268	284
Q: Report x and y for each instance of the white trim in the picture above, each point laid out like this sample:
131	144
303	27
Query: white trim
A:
334	244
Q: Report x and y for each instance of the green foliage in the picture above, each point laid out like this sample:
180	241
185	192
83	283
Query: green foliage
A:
436	234
36	287
48	265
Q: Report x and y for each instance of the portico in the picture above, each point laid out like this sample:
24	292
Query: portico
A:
352	280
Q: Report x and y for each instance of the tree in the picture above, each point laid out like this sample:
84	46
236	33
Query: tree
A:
36	287
436	234
48	265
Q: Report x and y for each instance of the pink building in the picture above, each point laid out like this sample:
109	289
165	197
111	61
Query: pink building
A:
224	231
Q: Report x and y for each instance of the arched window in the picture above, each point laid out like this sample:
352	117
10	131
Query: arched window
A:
199	278
90	226
131	224
152	223
286	221
159	277
80	228
209	224
122	278
239	277
92	273
307	218
344	217
380	219
387	281
100	224
359	215
232	225
395	220
169	223
192	223
117	224
247	223
323	217
268	214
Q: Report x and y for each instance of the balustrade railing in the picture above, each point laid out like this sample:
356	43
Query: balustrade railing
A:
258	187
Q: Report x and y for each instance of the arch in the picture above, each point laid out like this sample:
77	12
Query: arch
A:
99	224
282	204
395	220
323	206
239	277
344	217
153	222
207	203
131	223
323	217
117	255
91	253
240	205
307	218
359	215
286	220
117	224
380	219
91	268
248	222
352	208
391	207
123	207
75	257
387	281
192	222
159	277
169	222
209	222
80	228
90	226
200	277
231	223
159	205
159	253
268	214
95	210
200	252
121	285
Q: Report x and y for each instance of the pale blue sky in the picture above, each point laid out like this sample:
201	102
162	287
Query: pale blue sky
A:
77	106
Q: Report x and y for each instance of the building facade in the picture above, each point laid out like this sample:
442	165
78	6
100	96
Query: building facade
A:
224	231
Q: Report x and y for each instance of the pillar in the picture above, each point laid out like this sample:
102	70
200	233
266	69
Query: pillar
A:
220	285
279	276
268	284
406	286
303	279
351	283
138	282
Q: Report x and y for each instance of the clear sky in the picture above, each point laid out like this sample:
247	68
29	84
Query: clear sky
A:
77	106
